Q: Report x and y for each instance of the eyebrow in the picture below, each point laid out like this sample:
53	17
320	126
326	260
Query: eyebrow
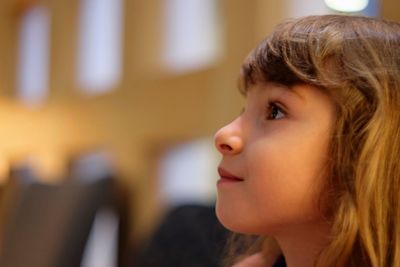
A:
290	89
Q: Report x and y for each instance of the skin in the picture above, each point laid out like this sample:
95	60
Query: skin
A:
255	260
278	146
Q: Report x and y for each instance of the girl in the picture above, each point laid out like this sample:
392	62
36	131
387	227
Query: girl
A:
310	172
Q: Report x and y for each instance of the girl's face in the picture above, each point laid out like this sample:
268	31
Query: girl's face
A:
273	159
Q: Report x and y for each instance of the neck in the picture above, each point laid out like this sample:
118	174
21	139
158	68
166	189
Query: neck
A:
302	244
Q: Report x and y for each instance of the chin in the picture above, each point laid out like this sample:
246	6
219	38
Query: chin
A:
226	219
235	222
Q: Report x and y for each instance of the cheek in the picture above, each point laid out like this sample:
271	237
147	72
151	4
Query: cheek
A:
286	183
282	187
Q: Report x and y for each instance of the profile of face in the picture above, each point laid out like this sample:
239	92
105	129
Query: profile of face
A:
273	159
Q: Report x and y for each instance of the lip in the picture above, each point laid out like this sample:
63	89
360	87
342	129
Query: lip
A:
228	177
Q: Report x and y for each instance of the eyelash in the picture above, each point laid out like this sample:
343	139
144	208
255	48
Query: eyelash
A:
273	110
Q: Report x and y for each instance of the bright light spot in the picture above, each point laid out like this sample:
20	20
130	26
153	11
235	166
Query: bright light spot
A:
102	244
192	34
100	45
347	5
188	173
33	56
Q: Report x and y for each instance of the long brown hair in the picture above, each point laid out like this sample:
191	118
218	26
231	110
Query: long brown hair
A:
357	61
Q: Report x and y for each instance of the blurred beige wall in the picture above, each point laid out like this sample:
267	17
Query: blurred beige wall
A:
149	110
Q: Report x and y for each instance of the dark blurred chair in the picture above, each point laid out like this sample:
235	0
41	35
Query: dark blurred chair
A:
189	236
51	223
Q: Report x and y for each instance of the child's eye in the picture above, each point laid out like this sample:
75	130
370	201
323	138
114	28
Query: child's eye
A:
274	112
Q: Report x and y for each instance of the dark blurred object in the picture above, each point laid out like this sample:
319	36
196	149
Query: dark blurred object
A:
189	236
280	262
51	223
20	176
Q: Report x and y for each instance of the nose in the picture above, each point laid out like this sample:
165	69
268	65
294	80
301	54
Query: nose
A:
228	140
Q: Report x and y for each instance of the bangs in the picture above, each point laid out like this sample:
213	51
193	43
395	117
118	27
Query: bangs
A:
286	57
266	65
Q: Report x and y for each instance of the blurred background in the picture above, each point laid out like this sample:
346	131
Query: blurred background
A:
107	112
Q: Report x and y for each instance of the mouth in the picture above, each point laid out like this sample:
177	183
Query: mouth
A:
228	177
